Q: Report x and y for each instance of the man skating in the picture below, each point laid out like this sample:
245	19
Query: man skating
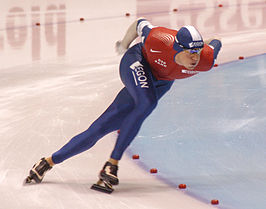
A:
148	70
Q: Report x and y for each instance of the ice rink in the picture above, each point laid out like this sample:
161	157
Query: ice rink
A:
58	74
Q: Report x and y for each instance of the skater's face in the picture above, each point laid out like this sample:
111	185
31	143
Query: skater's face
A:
188	58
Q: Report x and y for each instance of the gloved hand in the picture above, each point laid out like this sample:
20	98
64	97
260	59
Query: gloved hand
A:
119	48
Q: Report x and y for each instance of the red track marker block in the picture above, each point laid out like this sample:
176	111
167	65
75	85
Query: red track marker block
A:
127	14
175	10
153	170
241	57
215	202
81	19
220	5
215	65
182	186
38	24
118	131
135	157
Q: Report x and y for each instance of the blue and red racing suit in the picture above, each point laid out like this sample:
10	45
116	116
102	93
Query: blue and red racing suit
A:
148	71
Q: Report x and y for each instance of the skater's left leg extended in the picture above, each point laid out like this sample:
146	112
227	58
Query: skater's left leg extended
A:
106	123
109	121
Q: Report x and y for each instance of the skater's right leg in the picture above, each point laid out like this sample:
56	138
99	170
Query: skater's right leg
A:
145	100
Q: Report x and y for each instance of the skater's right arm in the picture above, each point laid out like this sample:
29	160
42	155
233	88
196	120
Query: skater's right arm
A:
140	27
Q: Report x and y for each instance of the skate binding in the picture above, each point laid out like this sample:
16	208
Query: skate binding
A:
103	186
37	172
107	178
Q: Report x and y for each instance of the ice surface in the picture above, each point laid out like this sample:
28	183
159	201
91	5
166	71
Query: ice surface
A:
211	135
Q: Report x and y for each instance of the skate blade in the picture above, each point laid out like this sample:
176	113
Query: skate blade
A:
106	188
27	181
31	179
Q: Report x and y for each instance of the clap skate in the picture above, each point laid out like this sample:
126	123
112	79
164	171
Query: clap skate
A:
107	178
38	171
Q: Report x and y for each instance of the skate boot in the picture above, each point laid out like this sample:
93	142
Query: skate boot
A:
109	173
38	171
107	178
